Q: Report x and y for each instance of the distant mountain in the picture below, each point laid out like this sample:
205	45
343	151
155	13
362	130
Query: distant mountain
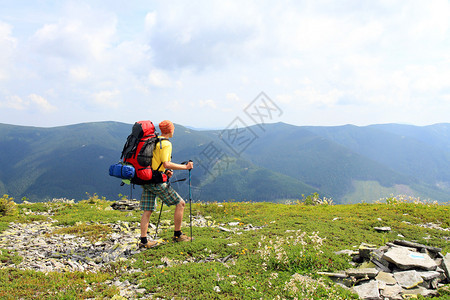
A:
273	162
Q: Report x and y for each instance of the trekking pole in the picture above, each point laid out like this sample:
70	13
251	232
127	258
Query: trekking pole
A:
190	202
159	218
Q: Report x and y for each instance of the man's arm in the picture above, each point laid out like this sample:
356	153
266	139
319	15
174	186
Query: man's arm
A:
174	166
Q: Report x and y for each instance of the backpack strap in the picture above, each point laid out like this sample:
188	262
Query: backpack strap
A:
160	147
160	141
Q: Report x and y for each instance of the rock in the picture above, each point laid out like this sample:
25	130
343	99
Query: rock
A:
417	246
329	274
362	273
429	275
224	229
387	278
368	290
125	205
419	291
347	252
406	259
365	250
381	265
378	261
445	265
392	291
340	278
400	270
408	279
382	229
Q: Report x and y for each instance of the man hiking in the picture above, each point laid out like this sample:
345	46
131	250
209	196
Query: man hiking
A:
161	159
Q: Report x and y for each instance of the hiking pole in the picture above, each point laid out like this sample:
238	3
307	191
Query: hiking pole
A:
190	196
159	218
190	202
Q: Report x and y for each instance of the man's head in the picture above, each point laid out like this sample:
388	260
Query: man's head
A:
166	127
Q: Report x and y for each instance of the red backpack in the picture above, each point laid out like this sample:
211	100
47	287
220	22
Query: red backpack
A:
138	151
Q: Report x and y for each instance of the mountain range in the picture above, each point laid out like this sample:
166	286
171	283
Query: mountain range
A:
265	162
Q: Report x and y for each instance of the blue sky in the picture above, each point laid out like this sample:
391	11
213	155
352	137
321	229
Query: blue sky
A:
203	63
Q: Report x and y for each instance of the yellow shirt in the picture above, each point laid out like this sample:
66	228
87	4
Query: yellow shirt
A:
161	155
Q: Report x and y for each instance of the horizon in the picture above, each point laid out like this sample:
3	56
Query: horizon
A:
224	128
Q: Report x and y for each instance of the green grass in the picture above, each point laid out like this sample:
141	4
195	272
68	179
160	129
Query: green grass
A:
93	232
279	259
8	257
21	284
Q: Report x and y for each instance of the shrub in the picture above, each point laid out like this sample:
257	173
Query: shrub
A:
94	199
7	206
401	199
315	199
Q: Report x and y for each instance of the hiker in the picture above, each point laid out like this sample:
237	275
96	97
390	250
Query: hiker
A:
161	159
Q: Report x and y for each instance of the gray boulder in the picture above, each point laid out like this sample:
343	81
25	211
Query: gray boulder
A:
368	290
408	279
405	259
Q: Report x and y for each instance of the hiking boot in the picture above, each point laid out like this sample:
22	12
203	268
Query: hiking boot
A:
181	238
150	244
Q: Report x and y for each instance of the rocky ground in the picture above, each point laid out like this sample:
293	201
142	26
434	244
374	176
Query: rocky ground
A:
395	271
43	250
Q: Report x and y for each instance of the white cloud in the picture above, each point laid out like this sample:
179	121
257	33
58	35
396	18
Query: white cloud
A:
34	102
41	103
284	98
81	35
174	106
150	21
14	102
159	78
232	97
429	20
107	98
7	46
79	73
201	35
429	78
207	103
313	96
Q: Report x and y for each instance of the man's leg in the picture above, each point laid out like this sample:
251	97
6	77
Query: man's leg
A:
170	197
178	216
145	219
148	203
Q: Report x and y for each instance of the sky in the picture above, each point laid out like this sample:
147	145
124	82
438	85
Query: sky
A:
206	64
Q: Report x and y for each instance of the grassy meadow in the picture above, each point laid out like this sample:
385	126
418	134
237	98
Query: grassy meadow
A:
273	252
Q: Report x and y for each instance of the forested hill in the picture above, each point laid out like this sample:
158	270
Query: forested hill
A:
272	162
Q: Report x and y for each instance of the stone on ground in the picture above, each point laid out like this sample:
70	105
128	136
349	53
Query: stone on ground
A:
406	259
